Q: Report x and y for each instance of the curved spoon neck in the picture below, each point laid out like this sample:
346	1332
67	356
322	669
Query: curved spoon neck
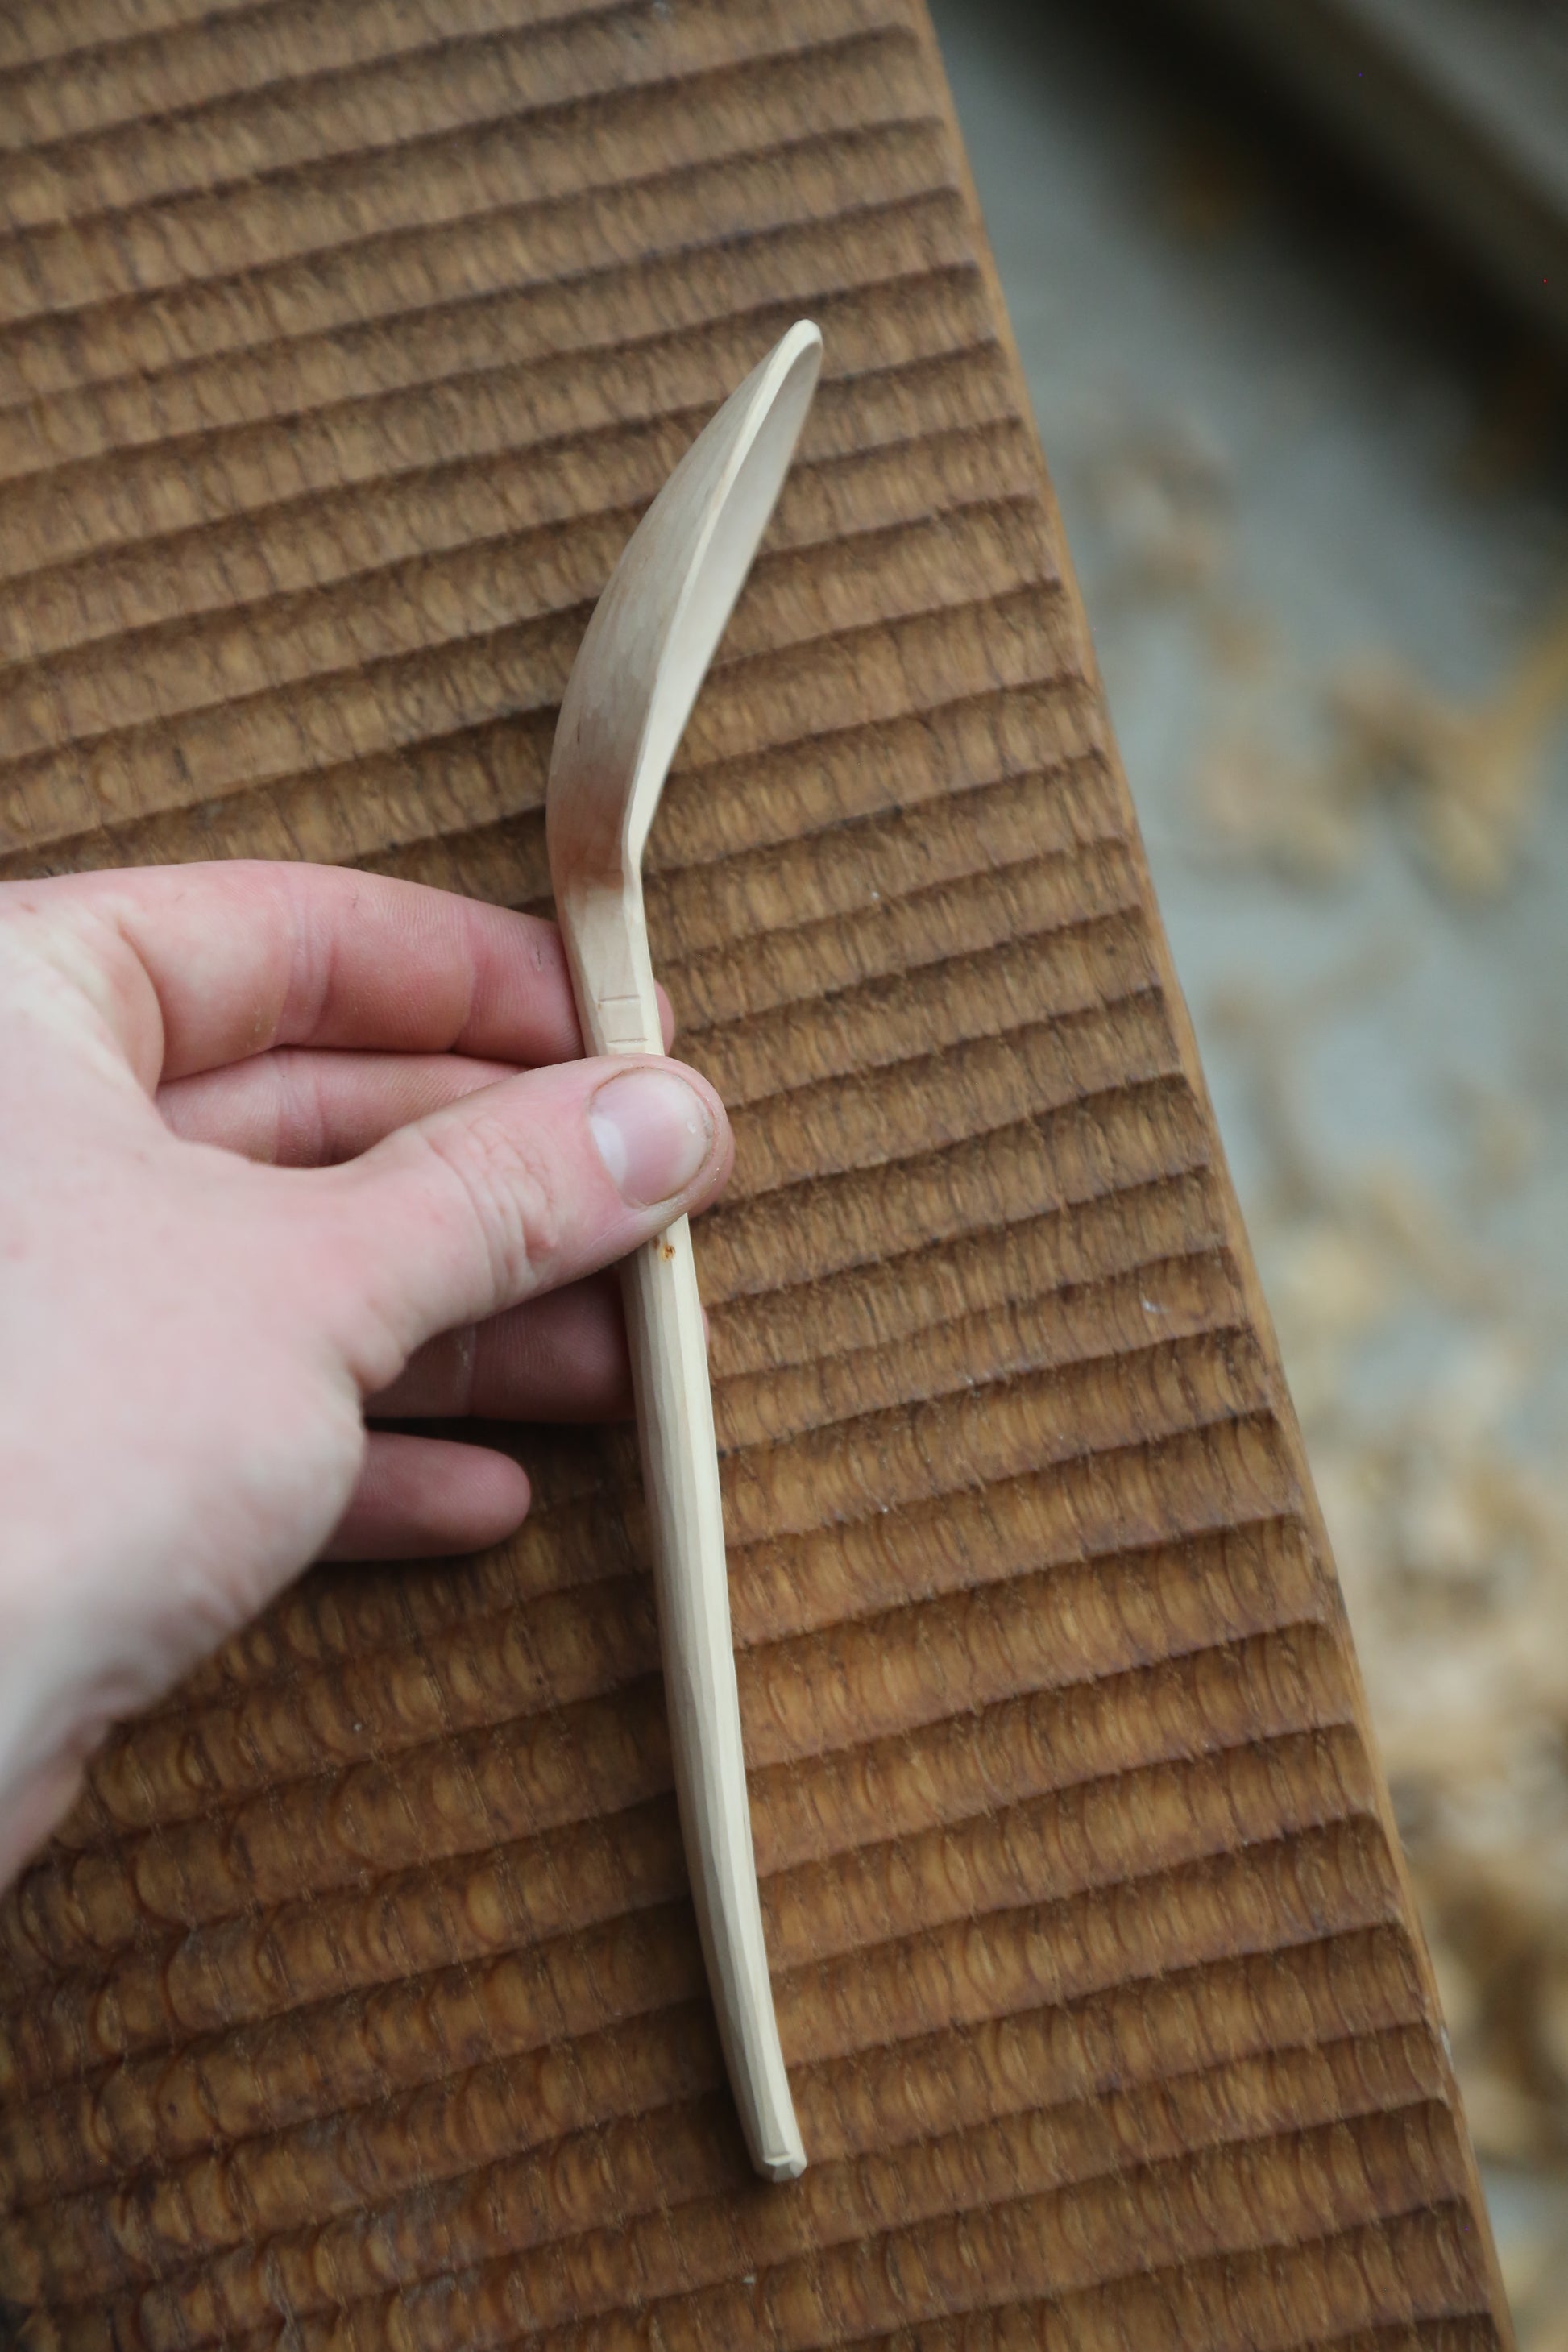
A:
612	969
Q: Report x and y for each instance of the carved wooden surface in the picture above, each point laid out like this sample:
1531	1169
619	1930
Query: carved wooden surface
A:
359	2004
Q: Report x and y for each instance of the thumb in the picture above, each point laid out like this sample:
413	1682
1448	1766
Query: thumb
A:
518	1189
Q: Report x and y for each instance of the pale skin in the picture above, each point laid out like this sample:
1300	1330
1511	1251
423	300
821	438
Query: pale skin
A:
287	1149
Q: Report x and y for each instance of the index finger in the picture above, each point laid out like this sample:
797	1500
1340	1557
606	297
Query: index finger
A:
236	958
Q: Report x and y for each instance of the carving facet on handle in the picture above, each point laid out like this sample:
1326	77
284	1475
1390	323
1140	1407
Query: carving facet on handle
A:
642	660
681	1474
607	935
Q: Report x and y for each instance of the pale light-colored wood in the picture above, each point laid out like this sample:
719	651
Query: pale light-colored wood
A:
643	658
361	2002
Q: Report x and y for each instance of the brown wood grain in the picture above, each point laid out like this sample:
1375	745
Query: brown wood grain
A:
359	2004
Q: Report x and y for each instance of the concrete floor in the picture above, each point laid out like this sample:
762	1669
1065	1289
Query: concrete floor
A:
1306	473
1208	364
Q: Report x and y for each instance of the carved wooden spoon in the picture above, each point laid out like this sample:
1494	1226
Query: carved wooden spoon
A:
645	655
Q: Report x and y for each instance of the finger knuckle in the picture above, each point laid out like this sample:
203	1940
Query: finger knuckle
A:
510	1189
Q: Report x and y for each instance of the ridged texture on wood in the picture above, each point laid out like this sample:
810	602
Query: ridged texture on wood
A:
360	2005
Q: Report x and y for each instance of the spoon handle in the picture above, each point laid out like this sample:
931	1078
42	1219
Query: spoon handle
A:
680	1477
606	944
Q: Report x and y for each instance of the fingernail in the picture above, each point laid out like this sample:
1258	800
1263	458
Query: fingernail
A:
653	1132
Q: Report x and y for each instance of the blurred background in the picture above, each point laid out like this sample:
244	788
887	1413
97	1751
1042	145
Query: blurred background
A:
1286	284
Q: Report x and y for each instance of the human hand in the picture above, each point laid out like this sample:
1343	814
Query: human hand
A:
283	1144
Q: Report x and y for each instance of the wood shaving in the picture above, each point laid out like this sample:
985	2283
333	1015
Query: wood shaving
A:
1452	1546
1471	776
1163	502
1464	779
1452	1540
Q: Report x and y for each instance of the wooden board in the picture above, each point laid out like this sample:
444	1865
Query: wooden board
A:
359	2004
